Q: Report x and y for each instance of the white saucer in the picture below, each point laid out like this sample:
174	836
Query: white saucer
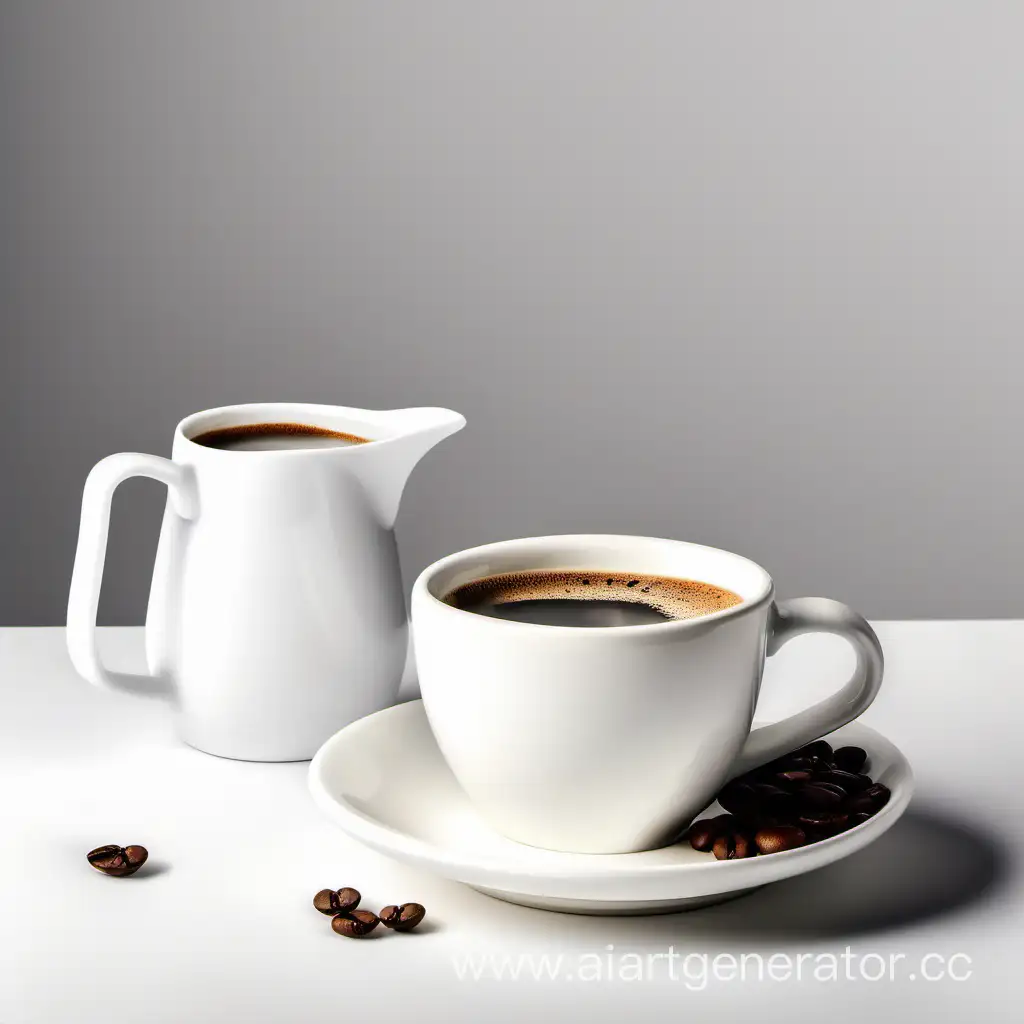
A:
383	780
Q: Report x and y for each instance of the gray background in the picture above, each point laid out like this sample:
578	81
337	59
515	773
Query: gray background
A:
742	273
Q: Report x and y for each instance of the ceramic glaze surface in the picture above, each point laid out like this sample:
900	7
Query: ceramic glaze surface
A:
276	613
610	740
384	781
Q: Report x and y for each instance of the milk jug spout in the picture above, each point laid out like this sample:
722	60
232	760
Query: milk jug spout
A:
403	437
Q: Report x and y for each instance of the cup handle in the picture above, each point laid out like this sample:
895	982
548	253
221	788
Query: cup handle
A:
87	575
816	615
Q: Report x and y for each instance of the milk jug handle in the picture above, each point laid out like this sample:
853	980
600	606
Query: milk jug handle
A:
87	575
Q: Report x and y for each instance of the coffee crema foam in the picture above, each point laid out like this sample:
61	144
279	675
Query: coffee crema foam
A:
670	597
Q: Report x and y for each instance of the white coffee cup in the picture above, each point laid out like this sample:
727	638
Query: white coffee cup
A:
610	740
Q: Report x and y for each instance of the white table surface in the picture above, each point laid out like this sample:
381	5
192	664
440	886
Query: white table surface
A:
219	925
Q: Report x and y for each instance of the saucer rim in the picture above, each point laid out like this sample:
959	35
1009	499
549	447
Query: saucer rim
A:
598	876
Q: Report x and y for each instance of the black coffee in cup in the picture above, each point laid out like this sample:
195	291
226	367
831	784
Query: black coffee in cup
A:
275	437
580	597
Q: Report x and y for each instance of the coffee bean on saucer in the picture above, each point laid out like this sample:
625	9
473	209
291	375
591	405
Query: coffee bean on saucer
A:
823	824
403	918
743	845
872	799
768	791
782	837
120	862
849	782
820	794
737	796
850	759
813	793
735	845
340	901
835	787
819	748
355	924
773	801
702	834
765	772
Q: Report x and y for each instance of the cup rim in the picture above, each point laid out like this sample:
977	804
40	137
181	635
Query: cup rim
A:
422	586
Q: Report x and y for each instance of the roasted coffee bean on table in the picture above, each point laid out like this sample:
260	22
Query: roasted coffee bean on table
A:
403	918
340	905
806	796
356	924
340	901
118	861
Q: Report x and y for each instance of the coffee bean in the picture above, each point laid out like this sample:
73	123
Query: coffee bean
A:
769	791
136	856
878	792
772	802
340	901
348	899
823	823
120	862
849	782
755	821
832	787
403	918
820	794
850	759
768	772
103	858
811	791
840	821
702	834
782	837
735	845
355	924
737	796
819	748
872	799
326	901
